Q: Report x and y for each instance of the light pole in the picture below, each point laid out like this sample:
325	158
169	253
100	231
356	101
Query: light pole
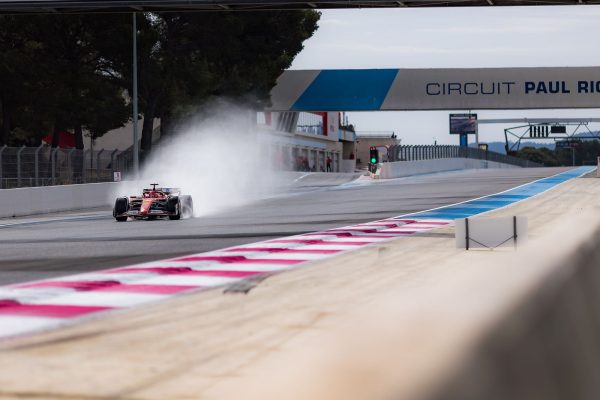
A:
136	150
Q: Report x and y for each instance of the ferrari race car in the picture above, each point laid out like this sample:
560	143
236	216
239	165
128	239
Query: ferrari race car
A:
154	203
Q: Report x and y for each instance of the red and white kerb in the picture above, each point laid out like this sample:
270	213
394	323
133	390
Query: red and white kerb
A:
40	305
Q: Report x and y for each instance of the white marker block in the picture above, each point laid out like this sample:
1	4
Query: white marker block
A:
490	232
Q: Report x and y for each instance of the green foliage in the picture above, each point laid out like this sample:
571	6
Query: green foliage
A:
199	56
51	80
74	71
539	155
585	152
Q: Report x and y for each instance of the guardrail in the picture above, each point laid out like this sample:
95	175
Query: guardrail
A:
46	166
412	153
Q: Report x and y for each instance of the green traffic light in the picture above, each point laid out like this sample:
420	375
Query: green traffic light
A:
373	160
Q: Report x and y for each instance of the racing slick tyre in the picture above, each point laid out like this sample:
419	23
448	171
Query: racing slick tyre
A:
174	207
121	207
187	206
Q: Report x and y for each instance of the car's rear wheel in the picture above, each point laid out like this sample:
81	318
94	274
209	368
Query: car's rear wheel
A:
121	219
174	208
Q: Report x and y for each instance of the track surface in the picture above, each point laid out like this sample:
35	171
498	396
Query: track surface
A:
55	245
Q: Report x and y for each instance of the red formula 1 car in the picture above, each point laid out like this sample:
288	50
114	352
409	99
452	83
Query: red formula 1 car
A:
154	203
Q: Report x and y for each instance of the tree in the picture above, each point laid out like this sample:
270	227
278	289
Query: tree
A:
541	155
187	58
15	51
585	152
84	95
74	72
54	78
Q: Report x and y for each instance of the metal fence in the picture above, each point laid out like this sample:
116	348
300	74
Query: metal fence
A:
411	153
44	166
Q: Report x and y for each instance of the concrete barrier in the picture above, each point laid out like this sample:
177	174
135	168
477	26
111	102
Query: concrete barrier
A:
548	345
47	199
399	169
347	166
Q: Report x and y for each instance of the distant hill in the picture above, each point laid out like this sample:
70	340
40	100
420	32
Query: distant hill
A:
592	133
498	147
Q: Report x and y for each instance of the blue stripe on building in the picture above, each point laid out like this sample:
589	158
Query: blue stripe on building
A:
347	90
493	202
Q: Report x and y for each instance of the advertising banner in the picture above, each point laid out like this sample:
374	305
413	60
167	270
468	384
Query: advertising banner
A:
437	89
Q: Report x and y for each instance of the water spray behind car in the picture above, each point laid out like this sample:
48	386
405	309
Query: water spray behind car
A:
218	158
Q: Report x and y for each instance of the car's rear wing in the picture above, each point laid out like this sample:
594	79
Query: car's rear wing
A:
164	190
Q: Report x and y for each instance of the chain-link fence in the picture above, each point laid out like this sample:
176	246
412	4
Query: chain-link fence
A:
411	153
44	166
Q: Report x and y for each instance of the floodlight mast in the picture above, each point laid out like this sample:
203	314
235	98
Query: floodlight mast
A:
136	150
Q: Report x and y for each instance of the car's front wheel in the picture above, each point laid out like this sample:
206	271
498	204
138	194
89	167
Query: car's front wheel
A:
121	207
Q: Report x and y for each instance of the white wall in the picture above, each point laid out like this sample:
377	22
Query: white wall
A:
48	199
347	165
39	200
407	168
121	138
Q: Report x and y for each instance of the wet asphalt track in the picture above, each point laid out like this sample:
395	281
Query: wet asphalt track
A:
68	243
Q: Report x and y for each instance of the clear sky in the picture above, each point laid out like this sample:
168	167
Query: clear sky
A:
454	37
